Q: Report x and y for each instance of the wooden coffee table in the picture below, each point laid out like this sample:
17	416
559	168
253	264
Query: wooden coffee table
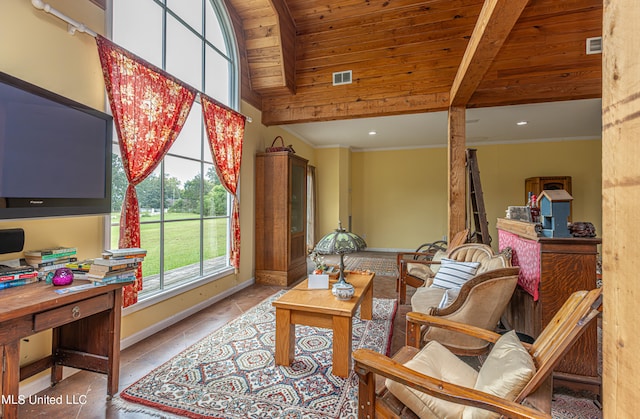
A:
319	308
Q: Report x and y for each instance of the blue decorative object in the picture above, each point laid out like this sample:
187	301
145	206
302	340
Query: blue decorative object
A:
555	207
63	276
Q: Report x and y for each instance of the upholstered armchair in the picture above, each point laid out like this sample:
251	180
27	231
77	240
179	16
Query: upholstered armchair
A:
479	302
420	273
433	383
416	268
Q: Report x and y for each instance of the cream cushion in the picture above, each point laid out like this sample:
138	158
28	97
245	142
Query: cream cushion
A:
426	297
420	270
438	362
506	371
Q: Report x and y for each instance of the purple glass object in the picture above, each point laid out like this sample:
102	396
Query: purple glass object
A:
63	276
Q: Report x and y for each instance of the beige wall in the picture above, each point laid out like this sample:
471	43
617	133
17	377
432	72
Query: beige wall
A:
400	197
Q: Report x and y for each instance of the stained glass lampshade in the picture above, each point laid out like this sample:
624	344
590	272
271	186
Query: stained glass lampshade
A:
340	242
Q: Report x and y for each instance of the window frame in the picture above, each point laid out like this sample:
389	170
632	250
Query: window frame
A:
232	58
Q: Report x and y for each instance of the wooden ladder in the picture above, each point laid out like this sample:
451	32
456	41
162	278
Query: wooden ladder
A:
477	199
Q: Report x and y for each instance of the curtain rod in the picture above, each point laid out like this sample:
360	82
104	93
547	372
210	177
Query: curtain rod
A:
74	25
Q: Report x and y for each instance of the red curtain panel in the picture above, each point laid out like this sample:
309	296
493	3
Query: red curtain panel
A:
149	108
225	131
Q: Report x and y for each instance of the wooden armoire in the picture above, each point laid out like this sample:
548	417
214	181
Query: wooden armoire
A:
281	218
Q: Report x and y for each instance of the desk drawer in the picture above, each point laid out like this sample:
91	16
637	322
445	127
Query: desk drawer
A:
72	312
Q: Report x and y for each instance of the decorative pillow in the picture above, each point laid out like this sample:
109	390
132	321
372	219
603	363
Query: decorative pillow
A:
508	368
452	274
448	297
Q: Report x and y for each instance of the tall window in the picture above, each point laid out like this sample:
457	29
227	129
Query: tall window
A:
184	210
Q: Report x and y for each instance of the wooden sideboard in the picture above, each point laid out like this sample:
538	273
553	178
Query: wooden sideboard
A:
550	270
86	333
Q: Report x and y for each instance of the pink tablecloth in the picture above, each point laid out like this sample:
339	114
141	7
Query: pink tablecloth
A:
526	255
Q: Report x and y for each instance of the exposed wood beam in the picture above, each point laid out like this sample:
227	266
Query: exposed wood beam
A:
456	157
269	37
494	24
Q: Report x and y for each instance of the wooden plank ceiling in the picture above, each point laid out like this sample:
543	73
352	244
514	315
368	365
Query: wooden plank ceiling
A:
404	55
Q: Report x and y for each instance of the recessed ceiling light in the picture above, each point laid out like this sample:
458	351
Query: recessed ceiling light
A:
372	132
522	123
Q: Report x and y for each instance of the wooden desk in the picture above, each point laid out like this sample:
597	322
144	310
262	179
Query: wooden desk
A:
319	308
86	333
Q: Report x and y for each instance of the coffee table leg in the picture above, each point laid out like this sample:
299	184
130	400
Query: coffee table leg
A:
366	307
341	345
285	337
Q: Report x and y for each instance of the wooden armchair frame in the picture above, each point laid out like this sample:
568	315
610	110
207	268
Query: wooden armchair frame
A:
555	340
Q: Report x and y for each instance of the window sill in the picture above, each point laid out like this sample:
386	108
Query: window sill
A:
148	301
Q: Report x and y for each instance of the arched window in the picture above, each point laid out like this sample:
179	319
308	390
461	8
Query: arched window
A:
185	212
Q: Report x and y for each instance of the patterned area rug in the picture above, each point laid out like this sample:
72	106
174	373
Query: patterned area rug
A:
381	266
565	406
232	374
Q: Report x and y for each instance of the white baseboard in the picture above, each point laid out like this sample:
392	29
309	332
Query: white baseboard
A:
44	382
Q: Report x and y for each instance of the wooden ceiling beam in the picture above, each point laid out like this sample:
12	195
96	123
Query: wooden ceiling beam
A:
497	19
494	24
269	40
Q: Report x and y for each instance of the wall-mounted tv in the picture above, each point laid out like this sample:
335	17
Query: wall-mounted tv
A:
55	154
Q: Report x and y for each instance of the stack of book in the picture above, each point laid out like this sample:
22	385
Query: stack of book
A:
13	276
116	265
48	260
80	269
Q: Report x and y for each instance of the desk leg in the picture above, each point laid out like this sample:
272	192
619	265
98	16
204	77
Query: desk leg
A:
113	365
366	307
285	337
342	330
56	368
10	379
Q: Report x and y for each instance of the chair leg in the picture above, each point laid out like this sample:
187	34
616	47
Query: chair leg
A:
403	281
402	291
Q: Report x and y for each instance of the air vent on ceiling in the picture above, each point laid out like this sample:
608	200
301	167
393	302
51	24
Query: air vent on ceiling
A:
342	77
594	45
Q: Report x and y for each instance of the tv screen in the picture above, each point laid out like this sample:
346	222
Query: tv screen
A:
55	154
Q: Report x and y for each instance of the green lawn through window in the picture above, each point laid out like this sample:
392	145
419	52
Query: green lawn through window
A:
182	241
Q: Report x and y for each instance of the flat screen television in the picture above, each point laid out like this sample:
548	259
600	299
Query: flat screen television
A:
55	154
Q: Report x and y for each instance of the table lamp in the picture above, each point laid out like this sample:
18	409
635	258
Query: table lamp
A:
341	242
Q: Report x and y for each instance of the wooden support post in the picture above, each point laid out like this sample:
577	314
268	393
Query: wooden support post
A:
620	198
457	173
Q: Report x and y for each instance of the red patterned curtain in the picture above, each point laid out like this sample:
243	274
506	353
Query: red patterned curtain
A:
149	108
225	130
